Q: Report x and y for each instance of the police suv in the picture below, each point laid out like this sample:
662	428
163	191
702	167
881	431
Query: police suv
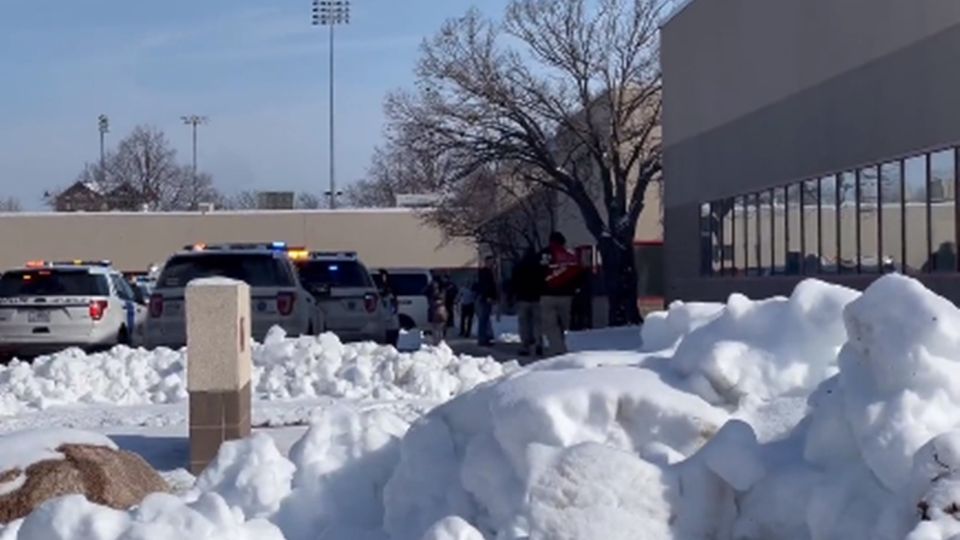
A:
352	305
277	297
47	307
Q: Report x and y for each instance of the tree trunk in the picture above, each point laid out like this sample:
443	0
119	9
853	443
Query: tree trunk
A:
620	276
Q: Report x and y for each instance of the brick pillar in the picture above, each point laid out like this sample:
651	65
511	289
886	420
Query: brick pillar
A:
218	366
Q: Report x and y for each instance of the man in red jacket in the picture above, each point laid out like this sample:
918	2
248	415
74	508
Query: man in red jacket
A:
562	279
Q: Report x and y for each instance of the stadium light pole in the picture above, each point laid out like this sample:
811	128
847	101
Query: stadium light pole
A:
104	126
194	121
331	13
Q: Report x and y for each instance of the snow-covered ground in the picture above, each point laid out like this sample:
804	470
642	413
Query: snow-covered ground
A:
826	415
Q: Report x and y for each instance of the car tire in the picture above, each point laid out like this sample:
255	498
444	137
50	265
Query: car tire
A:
123	337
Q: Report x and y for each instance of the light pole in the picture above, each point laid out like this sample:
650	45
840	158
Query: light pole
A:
104	126
194	120
331	13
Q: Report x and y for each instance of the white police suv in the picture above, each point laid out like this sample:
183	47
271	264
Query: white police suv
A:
352	305
277	296
46	307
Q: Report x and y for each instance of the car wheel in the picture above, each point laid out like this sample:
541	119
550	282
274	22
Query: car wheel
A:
123	337
407	323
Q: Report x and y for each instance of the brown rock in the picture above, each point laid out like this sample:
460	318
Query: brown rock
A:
113	478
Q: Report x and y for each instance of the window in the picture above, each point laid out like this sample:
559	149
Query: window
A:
828	224
752	246
868	196
764	233
335	274
716	237
848	227
943	211
729	237
810	217
52	283
255	270
794	231
706	240
779	244
891	217
915	214
124	292
740	235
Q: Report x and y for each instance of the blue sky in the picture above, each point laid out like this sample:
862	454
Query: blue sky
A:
256	68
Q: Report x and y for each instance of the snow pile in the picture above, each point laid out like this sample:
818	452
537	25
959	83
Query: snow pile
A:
479	456
765	349
284	368
663	329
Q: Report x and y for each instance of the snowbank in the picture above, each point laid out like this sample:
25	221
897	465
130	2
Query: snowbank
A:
765	349
664	329
284	369
829	415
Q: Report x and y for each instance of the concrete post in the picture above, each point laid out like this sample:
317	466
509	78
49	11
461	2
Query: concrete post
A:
218	366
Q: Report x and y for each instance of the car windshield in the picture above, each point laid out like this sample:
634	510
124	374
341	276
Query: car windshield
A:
52	283
335	274
255	270
412	284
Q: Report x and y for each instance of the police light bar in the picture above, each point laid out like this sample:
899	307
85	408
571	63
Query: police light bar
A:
334	255
80	262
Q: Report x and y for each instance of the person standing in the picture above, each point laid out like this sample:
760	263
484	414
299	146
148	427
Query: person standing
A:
486	297
467	299
560	286
437	314
450	291
386	291
527	285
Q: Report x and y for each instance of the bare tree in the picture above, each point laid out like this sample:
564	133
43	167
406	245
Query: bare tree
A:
244	200
10	204
569	88
308	201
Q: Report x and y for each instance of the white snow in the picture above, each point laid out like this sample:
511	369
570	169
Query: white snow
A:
284	369
828	415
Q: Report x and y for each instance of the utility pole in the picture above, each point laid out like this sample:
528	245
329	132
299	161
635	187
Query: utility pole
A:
104	126
194	120
331	13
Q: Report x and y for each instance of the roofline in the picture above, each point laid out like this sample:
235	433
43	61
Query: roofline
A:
683	5
338	211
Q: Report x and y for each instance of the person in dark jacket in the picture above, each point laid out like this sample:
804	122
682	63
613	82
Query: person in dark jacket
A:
560	285
527	284
486	298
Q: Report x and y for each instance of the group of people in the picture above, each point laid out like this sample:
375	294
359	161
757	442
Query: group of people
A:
543	285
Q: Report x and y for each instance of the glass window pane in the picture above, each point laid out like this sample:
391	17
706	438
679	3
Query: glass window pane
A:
765	233
751	236
891	217
915	214
943	198
794	236
706	245
728	237
779	245
828	224
739	248
811	231
869	220
716	237
848	222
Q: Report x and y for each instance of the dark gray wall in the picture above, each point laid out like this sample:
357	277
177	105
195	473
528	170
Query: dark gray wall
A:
758	93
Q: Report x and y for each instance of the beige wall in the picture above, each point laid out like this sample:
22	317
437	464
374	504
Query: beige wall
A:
133	241
649	226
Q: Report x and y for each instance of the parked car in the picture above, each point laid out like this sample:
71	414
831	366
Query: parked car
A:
47	307
277	296
352	305
410	287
